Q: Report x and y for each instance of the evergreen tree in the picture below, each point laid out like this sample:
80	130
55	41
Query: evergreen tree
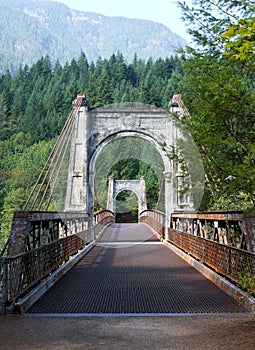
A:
4	127
100	90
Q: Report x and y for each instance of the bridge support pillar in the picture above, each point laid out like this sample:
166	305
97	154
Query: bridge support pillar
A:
77	184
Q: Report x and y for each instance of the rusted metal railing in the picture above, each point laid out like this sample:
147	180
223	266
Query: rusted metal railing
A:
21	272
3	298
231	228
32	229
27	269
155	219
228	261
225	259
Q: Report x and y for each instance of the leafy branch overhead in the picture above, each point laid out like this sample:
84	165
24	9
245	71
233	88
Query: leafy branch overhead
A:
240	39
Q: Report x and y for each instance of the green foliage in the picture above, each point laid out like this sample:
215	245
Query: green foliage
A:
240	39
20	165
4	127
126	206
218	90
247	284
129	158
212	22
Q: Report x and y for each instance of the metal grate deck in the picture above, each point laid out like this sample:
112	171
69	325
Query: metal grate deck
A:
131	272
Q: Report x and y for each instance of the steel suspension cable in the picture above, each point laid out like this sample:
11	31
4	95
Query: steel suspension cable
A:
57	155
49	167
58	171
45	166
52	155
61	155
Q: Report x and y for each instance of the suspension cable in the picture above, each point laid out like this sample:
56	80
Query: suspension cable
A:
58	171
61	155
53	169
54	161
64	135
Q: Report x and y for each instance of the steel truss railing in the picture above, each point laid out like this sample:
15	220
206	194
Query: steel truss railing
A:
155	219
19	273
227	260
227	227
32	229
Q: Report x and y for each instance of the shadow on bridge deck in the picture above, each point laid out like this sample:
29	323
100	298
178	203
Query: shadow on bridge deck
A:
131	272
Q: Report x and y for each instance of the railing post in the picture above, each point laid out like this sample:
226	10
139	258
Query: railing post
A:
92	226
167	225
4	288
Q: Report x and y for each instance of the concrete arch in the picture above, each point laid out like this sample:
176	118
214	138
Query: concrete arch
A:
94	129
109	137
117	186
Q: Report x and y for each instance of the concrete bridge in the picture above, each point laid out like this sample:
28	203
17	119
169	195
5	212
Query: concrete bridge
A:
88	264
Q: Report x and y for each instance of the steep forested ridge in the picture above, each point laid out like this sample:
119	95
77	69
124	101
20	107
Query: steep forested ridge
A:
31	29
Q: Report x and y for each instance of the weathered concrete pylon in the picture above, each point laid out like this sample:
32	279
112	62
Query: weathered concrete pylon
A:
95	128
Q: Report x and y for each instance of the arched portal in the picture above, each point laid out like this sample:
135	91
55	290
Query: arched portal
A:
117	186
129	158
167	175
126	207
94	129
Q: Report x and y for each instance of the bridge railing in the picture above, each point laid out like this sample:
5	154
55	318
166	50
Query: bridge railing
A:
227	260
231	228
3	298
21	272
101	219
32	229
155	219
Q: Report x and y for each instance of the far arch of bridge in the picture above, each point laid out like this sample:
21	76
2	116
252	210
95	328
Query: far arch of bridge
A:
127	188
115	187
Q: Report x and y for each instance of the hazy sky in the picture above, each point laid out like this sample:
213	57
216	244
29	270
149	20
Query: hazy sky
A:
162	11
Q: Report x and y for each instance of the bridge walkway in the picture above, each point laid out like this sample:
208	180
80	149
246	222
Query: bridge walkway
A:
129	272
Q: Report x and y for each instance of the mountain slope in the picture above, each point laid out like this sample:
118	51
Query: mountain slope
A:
30	29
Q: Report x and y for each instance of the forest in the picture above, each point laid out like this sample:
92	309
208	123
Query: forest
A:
216	80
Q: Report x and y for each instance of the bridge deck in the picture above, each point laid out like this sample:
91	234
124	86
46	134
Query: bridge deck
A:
131	272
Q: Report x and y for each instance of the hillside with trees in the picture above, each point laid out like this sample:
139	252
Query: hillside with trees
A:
31	29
